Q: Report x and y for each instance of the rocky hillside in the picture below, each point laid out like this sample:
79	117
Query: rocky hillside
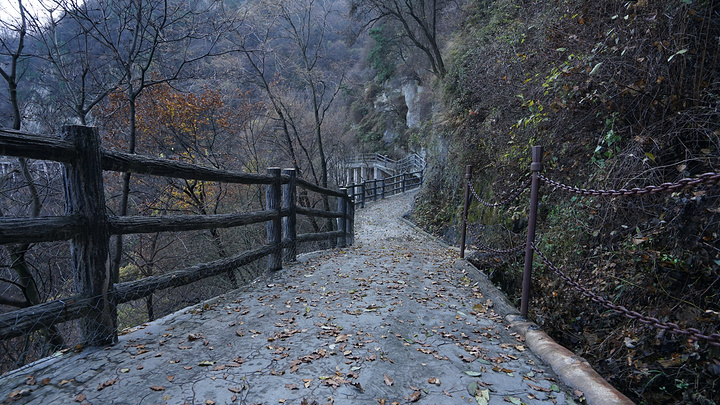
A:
621	95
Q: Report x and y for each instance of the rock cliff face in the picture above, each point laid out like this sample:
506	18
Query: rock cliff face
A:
412	90
392	112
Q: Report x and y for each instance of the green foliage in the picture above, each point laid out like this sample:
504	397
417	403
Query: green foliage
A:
380	56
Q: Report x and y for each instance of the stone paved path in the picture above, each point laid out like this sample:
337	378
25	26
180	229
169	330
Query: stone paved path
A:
394	319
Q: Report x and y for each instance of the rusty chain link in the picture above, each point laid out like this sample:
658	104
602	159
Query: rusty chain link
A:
665	187
492	250
691	333
513	195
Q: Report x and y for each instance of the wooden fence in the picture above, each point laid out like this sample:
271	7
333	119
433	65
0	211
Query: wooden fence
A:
89	228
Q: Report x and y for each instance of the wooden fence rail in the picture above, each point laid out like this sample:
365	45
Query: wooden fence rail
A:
88	227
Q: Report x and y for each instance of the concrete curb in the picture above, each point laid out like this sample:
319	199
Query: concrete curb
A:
574	371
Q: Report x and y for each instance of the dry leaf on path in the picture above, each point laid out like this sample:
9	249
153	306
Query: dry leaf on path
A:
106	384
388	381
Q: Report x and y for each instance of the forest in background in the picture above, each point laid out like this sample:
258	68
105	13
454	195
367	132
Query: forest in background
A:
620	94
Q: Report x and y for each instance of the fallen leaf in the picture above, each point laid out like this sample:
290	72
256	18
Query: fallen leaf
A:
80	397
157	388
539	388
30	380
414	397
388	381
513	400
236	390
472	388
18	394
170	378
291	386
473	373
45	381
206	363
106	384
433	380
209	402
483	397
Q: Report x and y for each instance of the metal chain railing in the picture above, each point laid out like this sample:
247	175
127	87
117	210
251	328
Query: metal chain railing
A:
665	187
529	246
513	195
691	333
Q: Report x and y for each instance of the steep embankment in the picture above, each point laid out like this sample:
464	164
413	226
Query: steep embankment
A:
621	95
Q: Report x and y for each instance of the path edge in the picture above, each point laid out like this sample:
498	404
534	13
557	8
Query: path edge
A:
573	370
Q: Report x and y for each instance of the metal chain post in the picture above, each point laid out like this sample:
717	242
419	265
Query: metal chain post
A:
536	168
466	206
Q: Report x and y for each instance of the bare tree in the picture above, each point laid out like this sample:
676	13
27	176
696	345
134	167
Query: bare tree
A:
307	23
418	21
12	51
149	42
291	56
78	68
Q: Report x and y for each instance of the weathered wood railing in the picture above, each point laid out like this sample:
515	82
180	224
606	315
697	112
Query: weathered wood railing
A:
373	190
88	227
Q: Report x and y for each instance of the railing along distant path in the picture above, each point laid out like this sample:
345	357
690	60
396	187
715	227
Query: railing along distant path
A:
378	189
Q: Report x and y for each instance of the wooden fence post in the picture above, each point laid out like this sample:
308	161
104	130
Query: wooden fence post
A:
466	207
536	167
274	228
382	188
351	221
362	194
85	197
342	221
290	222
375	190
403	182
